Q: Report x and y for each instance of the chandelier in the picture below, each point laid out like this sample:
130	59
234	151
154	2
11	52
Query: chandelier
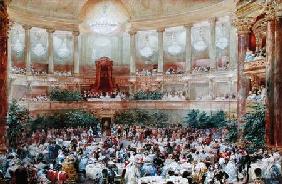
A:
146	51
221	41
63	51
174	48
39	49
199	44
104	23
18	46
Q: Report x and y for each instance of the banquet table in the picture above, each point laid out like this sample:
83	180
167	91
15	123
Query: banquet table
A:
162	180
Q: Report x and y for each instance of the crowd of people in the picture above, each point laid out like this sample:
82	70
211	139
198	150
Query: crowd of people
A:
257	94
251	56
174	96
94	96
201	69
223	97
22	71
134	154
63	73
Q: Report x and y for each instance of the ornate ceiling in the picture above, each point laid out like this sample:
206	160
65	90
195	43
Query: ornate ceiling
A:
69	13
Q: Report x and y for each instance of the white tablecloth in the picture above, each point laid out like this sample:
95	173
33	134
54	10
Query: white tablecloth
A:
162	180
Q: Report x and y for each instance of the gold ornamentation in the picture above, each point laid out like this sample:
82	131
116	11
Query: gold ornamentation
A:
270	11
75	33
255	65
243	25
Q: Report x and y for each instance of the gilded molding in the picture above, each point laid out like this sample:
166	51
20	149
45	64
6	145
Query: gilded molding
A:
75	33
132	32
50	30
243	25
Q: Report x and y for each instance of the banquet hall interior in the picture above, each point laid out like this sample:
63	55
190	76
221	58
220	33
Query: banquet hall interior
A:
140	91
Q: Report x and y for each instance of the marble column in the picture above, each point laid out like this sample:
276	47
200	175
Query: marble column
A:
27	48
160	50
233	47
121	49
189	90
211	88
50	51
243	29
75	53
188	49
212	46
132	53
270	48
4	27
277	72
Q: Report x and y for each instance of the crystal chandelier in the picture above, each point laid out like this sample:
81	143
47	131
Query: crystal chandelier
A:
146	51
221	41
104	24
199	44
63	51
39	49
174	48
18	46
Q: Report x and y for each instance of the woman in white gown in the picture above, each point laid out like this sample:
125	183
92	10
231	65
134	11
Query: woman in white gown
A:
231	170
132	173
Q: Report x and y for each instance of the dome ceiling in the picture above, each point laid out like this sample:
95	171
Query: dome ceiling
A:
142	9
137	9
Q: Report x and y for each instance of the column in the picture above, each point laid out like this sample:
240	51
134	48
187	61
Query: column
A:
211	88
189	90
160	50
27	48
243	29
132	53
212	46
9	54
121	49
270	56
50	51
230	86
4	21
75	53
188	49
233	47
277	72
230	91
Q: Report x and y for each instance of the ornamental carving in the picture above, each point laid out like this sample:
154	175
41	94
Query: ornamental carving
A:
255	65
243	25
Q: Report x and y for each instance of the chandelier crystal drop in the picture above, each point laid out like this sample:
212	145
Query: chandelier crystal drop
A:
174	48
104	24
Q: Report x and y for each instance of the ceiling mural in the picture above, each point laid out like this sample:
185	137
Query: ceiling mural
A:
147	8
79	10
51	8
